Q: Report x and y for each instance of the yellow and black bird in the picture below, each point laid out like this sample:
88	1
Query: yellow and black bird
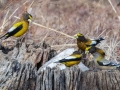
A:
20	27
92	42
82	41
99	58
71	60
93	49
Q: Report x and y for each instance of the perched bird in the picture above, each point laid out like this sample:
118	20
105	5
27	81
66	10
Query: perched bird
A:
71	60
99	58
93	49
20	27
92	42
82	41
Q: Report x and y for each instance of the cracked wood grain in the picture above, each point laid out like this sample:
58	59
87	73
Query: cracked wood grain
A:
22	73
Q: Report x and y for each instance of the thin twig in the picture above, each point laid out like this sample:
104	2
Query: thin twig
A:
17	9
29	9
63	45
4	20
101	33
31	4
7	19
53	30
114	8
49	29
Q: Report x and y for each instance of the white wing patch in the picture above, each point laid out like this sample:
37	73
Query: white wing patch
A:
11	29
106	63
92	39
93	42
70	57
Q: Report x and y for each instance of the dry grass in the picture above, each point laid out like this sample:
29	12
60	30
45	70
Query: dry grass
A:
57	21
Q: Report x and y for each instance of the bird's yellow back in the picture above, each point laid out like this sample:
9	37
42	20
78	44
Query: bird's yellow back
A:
19	27
71	63
101	52
23	30
71	60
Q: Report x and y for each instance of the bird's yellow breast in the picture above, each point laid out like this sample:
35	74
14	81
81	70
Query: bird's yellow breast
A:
81	46
70	63
23	30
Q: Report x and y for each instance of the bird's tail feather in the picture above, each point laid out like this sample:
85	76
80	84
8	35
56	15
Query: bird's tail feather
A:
57	62
100	39
5	36
118	65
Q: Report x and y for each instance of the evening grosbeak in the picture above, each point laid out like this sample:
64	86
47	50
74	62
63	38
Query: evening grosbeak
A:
20	27
99	58
71	60
82	41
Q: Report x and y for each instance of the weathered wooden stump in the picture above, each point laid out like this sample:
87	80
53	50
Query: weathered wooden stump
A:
73	79
19	77
20	71
56	79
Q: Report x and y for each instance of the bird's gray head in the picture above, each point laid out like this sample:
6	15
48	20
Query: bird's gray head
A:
28	17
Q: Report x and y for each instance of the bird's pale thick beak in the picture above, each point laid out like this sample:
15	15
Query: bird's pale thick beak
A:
75	36
91	56
86	52
29	20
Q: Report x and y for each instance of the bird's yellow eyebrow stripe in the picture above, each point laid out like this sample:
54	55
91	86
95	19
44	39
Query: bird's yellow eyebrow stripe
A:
30	17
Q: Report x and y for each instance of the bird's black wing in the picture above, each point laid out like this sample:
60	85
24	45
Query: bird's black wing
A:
15	30
8	34
68	60
106	64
